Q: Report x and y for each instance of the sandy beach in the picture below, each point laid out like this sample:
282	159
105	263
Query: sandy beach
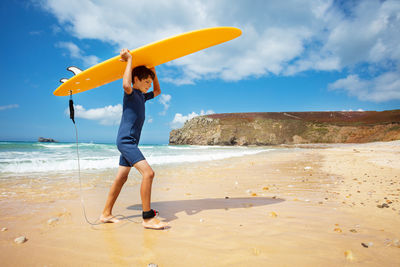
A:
309	205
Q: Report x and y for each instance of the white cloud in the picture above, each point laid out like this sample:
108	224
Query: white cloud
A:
370	34
346	110
108	115
381	88
279	38
180	119
9	106
268	44
76	52
165	101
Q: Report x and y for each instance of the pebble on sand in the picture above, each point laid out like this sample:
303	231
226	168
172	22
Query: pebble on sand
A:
152	265
53	221
349	255
273	214
20	240
4	229
366	245
389	243
384	205
338	230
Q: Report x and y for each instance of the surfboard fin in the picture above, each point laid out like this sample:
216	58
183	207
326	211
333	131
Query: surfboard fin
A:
74	70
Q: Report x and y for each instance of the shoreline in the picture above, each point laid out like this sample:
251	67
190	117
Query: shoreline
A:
313	203
36	159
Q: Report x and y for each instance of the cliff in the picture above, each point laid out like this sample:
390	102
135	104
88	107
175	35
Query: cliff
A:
272	128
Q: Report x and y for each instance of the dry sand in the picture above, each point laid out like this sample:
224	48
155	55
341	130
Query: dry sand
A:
310	206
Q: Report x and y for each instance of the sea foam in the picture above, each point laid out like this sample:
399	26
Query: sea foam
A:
32	157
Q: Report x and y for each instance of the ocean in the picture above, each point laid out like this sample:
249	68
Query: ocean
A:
21	158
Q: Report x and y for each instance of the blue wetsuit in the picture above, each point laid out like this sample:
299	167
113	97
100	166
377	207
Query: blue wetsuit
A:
132	120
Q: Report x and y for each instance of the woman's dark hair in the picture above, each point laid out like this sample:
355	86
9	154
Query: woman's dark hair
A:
141	72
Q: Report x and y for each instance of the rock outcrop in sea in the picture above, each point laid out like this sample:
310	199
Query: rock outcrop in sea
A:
47	140
273	128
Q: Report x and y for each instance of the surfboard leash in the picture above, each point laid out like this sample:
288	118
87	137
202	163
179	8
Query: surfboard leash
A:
72	117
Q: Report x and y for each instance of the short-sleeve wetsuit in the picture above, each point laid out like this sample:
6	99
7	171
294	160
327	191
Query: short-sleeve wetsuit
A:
133	115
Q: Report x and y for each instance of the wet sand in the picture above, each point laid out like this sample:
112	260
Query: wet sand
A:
309	206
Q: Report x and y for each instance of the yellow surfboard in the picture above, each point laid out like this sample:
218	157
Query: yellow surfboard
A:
150	55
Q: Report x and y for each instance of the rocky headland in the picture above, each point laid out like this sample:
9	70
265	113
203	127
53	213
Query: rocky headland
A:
274	128
47	140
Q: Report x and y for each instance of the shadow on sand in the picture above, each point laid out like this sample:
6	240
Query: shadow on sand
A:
193	206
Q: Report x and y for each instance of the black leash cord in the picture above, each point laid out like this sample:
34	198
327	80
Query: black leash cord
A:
72	117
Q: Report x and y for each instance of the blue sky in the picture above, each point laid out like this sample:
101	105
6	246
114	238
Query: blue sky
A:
292	56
